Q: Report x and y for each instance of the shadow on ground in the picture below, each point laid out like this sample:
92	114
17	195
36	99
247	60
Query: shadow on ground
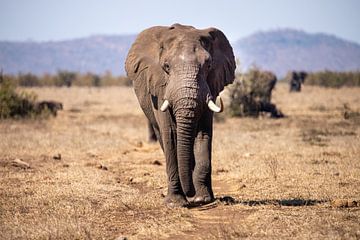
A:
228	200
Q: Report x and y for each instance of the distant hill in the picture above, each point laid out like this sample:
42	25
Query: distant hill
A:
95	54
284	50
278	51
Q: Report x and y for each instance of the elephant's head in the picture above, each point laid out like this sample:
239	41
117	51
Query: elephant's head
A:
184	70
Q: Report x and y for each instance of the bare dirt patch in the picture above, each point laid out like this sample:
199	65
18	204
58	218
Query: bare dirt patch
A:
91	174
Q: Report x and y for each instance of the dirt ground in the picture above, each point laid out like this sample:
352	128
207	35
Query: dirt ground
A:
92	174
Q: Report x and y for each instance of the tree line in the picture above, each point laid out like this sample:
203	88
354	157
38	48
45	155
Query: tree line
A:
334	79
64	78
70	78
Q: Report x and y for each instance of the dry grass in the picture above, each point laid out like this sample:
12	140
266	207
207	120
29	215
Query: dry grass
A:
275	177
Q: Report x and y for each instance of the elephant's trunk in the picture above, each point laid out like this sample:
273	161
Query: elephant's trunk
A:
185	153
190	99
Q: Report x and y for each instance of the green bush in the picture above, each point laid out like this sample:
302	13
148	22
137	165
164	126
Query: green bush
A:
13	104
251	93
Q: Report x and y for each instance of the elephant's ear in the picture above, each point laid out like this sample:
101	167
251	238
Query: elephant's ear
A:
142	63
223	70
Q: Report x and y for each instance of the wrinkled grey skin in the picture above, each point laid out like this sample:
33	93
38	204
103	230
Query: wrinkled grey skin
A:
188	67
151	133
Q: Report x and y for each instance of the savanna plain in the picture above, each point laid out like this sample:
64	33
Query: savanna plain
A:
93	175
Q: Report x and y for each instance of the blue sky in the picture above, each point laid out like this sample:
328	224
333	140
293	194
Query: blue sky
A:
44	20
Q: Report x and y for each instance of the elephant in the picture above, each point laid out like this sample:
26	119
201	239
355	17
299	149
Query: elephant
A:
177	73
296	79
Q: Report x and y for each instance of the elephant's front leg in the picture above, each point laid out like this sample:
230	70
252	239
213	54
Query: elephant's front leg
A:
202	152
175	195
151	133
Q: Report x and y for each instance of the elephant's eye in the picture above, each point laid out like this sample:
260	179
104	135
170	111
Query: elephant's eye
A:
166	67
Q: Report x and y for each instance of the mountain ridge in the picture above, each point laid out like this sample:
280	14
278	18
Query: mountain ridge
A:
278	50
97	54
288	49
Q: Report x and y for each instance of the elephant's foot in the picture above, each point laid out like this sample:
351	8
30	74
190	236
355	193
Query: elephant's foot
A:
175	200
202	196
202	200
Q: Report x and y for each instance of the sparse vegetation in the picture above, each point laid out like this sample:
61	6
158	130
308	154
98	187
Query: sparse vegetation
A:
249	83
68	79
273	166
334	79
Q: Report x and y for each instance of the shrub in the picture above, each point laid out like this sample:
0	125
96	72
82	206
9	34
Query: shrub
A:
13	104
16	105
250	94
241	102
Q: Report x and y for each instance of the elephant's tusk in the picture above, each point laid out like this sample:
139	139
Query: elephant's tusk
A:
164	106
215	108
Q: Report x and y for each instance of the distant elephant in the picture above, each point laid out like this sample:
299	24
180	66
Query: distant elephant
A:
297	78
177	73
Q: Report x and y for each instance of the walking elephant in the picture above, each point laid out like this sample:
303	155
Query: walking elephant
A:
177	73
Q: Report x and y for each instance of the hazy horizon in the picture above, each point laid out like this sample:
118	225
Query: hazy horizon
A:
41	20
